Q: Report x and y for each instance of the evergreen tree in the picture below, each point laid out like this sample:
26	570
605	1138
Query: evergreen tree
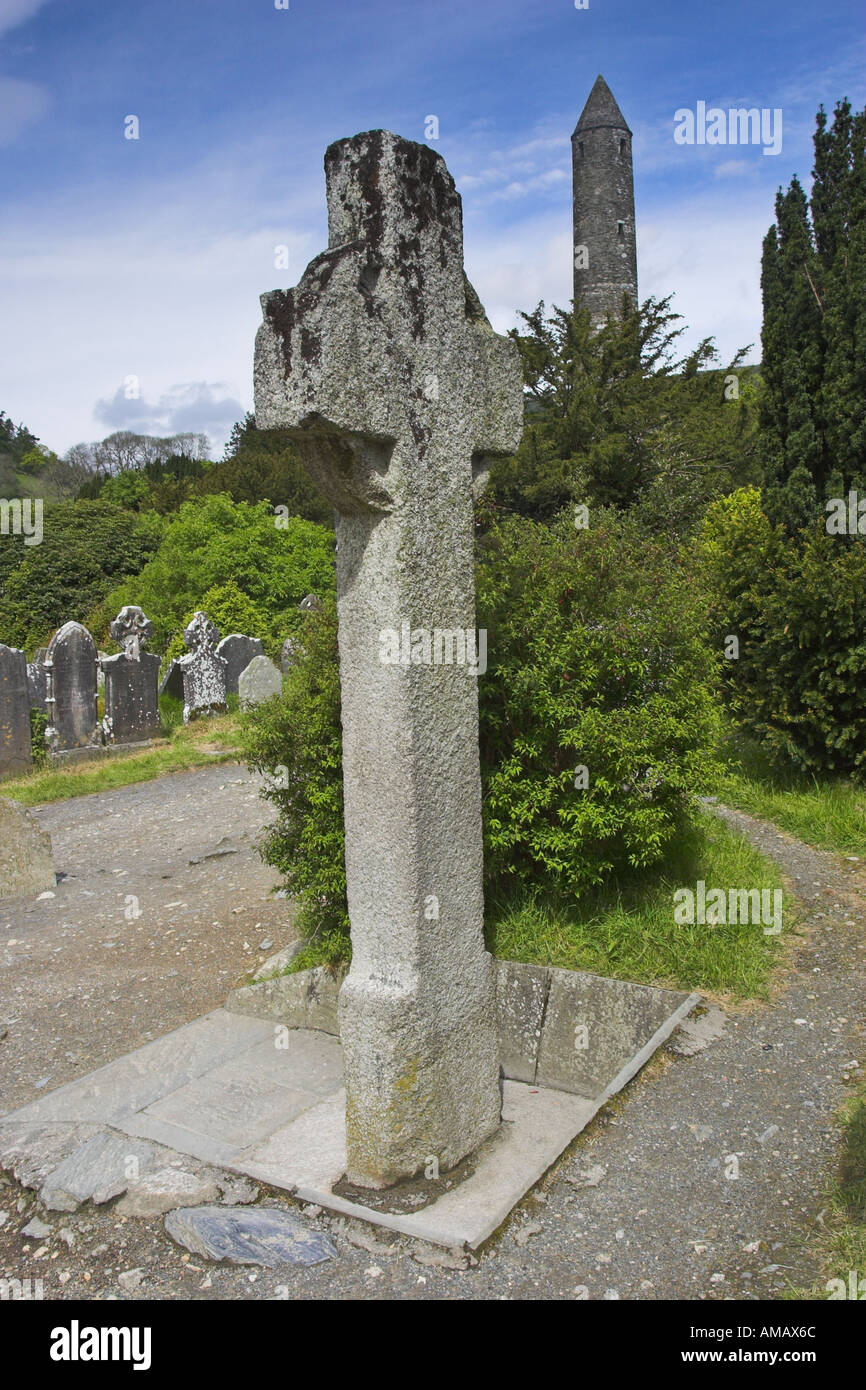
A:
813	282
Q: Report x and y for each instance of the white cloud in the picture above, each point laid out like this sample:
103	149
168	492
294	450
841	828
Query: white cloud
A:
14	12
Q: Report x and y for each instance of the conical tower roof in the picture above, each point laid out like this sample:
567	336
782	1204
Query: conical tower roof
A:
600	110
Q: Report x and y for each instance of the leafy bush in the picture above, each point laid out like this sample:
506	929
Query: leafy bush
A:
38	725
213	543
296	742
798	609
596	658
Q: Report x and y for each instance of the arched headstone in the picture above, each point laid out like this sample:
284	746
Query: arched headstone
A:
71	663
237	652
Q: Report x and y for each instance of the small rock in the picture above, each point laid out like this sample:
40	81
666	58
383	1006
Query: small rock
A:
525	1233
237	1192
36	1228
131	1279
159	1192
694	1034
768	1134
591	1177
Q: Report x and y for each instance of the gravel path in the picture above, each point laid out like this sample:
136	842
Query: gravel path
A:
648	1203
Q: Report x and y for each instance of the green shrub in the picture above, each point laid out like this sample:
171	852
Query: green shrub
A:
38	725
596	660
296	742
229	552
798	609
595	657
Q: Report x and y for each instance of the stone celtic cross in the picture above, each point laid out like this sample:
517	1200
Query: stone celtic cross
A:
384	369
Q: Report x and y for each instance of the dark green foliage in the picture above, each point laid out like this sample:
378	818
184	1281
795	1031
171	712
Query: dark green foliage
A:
296	742
799	613
813	279
595	657
211	543
264	465
15	440
86	548
614	419
38	725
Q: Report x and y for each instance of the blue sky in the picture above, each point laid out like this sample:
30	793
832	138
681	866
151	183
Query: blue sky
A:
146	257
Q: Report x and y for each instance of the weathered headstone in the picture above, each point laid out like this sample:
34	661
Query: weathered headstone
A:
237	652
259	682
172	681
131	681
204	673
37	681
71	700
293	648
311	604
26	865
383	367
15	754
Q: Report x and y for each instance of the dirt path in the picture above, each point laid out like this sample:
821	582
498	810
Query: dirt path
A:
663	1217
147	929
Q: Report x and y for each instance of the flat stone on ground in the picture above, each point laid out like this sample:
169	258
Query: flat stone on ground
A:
260	1236
26	863
165	1189
101	1165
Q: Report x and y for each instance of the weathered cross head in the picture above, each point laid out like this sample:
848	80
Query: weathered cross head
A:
131	631
381	361
201	634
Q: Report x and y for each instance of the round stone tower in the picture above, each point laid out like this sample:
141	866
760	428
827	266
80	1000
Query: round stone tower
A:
605	257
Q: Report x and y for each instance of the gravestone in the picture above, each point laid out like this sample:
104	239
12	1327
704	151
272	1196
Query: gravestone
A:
384	370
237	652
204	672
37	681
71	699
172	681
131	681
259	682
15	754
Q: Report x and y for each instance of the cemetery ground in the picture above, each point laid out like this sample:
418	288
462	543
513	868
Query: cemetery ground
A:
164	905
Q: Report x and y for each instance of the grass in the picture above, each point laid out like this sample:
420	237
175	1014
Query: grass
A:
186	746
842	1244
627	930
830	814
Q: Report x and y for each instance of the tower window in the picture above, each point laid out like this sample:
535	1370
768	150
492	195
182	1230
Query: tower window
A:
580	147
622	146
620	230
